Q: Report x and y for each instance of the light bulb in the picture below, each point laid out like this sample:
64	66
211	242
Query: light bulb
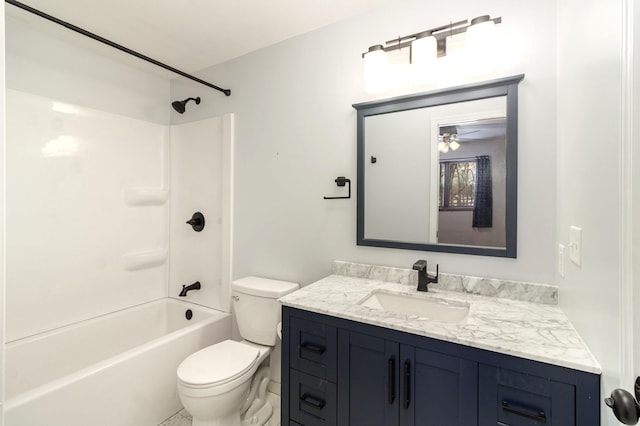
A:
454	145
424	52
375	70
481	45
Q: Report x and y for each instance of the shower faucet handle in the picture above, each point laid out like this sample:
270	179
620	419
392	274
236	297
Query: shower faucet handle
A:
196	221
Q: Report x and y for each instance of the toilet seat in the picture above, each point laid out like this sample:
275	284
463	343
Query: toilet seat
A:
218	365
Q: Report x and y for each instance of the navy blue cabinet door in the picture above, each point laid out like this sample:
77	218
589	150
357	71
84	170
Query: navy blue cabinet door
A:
518	399
442	390
368	382
382	382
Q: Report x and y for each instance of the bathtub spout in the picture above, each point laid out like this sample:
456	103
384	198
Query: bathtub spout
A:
187	288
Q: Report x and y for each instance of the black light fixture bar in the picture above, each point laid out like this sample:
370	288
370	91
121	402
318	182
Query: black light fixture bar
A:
108	42
440	33
434	31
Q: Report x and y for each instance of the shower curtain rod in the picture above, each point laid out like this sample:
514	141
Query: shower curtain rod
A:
112	44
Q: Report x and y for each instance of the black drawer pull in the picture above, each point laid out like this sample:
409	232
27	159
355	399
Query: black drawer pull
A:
312	402
407	384
538	416
391	391
310	347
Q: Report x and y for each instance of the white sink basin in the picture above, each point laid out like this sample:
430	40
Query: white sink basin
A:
420	305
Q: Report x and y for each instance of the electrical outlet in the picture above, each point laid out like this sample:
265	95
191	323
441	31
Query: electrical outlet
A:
575	245
561	259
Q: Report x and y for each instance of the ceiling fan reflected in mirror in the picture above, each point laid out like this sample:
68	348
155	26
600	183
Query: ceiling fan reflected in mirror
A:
449	137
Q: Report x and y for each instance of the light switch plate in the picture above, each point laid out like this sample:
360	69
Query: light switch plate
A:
561	259
575	245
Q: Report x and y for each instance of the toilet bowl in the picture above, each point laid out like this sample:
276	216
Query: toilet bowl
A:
214	383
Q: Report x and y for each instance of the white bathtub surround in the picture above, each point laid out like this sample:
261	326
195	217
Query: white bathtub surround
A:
507	289
96	210
118	369
201	181
81	239
534	331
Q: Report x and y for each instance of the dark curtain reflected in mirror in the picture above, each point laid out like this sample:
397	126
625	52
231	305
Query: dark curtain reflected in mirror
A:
483	208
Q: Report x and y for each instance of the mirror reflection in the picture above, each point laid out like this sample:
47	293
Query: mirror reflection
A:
438	171
471	182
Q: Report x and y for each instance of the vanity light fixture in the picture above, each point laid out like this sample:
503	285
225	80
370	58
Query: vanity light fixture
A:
426	46
375	69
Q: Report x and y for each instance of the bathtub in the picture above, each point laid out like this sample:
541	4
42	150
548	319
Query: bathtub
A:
115	370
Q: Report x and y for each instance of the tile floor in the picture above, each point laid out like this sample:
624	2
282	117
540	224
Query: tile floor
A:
182	418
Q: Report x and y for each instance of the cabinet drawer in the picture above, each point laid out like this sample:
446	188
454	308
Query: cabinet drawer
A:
313	348
517	399
312	401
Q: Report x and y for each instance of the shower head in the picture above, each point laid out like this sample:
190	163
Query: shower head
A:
179	106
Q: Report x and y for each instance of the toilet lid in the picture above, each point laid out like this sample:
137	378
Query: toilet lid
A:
218	364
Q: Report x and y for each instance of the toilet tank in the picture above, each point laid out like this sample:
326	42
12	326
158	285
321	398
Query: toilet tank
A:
257	309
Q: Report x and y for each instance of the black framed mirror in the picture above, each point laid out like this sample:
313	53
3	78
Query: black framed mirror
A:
437	171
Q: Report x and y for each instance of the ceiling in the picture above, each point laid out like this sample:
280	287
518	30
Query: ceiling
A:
194	34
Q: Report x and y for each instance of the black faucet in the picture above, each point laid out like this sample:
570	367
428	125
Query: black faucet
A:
186	288
423	276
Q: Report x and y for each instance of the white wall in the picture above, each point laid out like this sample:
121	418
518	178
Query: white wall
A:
68	67
295	133
589	159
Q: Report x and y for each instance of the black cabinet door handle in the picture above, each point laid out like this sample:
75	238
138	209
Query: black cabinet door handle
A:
313	348
312	401
391	391
406	373
538	416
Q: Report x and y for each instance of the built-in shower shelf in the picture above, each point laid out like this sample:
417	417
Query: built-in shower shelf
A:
144	259
142	196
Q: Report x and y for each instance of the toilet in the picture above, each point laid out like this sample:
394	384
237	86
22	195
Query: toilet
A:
225	384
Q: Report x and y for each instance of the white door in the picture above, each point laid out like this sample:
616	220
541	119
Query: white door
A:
630	312
630	225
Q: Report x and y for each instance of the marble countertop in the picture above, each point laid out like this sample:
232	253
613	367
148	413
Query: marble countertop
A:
535	331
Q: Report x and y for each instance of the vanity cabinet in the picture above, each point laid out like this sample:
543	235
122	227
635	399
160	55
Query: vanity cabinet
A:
346	373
